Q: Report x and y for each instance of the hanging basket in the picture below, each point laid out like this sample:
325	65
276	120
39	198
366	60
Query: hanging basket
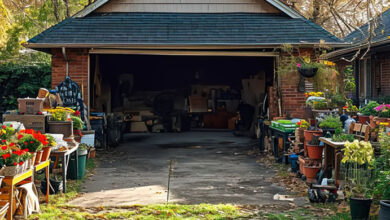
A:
308	72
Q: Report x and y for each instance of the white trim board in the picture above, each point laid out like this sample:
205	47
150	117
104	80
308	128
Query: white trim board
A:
276	3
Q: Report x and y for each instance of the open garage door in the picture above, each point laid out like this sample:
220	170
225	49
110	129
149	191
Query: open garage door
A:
160	91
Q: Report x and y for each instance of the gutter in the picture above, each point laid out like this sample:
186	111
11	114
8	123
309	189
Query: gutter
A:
178	46
66	61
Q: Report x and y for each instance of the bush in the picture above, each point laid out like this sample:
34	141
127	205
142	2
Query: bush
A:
331	122
19	81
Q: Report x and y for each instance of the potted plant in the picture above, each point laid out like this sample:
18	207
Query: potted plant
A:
302	125
358	157
61	122
34	146
307	69
7	132
47	147
77	125
320	105
330	123
366	111
350	108
383	112
380	185
339	136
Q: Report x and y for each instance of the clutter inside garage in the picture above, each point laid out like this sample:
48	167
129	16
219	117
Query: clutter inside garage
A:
154	93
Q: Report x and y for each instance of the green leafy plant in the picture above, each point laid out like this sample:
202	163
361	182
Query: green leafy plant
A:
369	109
381	183
358	157
6	132
320	105
331	122
77	123
84	146
339	136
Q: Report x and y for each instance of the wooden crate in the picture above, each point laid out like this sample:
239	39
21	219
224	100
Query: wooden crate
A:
36	122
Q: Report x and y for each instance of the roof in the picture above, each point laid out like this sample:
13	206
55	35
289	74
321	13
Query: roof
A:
358	38
183	29
382	32
276	3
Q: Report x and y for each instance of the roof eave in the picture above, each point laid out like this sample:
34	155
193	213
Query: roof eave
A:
39	46
352	48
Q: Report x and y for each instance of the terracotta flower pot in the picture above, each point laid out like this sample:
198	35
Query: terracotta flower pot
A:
308	137
363	119
38	157
46	153
302	164
311	172
314	151
33	158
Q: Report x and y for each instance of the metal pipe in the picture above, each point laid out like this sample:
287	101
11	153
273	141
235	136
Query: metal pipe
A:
66	61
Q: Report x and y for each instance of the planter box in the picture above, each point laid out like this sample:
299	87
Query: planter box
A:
61	127
36	122
30	106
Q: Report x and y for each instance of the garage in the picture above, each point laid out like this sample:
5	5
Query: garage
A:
173	93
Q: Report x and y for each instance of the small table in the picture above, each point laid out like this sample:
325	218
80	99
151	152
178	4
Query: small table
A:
333	156
45	165
276	134
11	182
65	155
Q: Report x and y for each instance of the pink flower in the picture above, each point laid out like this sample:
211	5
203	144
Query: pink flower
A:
299	65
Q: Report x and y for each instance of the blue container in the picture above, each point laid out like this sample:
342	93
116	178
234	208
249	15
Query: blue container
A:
294	159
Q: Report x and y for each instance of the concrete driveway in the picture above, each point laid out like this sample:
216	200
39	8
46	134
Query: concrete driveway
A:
209	167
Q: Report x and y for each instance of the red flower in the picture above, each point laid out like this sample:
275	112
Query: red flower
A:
4	127
25	143
345	107
26	150
77	113
5	156
3	141
69	119
12	144
11	125
15	163
21	163
20	136
31	142
4	147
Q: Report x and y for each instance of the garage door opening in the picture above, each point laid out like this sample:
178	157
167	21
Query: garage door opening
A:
159	93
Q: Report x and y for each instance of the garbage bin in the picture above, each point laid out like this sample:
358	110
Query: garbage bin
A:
82	160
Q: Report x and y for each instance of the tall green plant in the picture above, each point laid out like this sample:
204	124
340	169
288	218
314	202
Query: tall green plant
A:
358	157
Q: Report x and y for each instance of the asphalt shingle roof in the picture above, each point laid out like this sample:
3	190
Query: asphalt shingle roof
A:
184	28
382	32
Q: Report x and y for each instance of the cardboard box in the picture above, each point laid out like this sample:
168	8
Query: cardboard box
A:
138	127
198	104
30	106
36	122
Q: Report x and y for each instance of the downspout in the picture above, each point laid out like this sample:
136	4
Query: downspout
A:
356	69
66	61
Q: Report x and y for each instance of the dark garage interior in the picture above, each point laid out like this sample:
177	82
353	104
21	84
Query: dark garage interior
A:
160	93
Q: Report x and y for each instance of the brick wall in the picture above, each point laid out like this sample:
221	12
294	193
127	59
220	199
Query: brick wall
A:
78	68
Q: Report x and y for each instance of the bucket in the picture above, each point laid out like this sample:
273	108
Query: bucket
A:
88	139
385	210
360	208
294	165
